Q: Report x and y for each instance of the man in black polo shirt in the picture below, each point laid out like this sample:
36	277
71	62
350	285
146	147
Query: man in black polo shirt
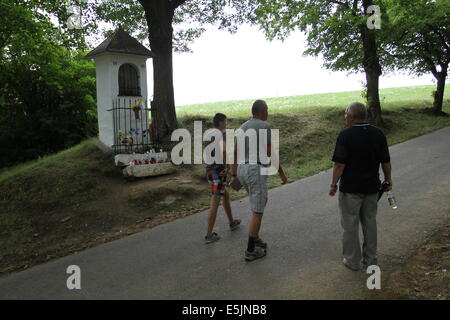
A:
359	150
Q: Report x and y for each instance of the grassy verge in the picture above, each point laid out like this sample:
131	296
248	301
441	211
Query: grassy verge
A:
76	198
425	275
37	197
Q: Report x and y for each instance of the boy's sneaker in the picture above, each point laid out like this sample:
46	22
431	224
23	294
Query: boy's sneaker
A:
256	254
212	237
260	243
235	224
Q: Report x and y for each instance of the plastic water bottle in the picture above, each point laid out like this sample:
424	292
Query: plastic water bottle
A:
392	200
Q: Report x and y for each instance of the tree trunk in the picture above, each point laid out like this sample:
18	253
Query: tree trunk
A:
372	68
159	15
439	94
373	97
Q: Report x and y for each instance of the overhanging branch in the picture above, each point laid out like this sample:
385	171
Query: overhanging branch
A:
177	3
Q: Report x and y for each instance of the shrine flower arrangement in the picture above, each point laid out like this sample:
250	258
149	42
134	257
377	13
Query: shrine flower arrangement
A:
136	107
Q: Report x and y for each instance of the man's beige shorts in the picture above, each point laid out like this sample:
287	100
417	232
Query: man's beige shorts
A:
255	184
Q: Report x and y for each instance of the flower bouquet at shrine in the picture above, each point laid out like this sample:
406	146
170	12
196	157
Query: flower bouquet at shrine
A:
137	107
151	163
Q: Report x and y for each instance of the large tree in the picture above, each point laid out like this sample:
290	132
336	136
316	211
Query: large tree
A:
159	15
336	29
420	42
170	25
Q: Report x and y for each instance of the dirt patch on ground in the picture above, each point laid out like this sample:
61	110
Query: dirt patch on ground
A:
107	209
425	275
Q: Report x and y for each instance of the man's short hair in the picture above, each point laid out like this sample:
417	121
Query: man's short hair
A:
258	107
218	118
358	110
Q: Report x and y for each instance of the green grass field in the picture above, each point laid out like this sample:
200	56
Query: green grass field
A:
392	97
67	201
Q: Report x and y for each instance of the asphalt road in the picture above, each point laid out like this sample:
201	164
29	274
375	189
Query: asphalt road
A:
301	226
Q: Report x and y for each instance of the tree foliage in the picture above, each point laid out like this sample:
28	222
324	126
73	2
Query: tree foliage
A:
337	30
333	28
189	20
421	41
46	89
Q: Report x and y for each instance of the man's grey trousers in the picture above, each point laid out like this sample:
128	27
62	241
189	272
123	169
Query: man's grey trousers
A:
356	208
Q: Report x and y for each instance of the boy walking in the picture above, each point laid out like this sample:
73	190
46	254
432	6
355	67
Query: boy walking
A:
216	175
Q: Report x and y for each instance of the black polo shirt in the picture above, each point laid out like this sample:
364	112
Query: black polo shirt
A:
361	147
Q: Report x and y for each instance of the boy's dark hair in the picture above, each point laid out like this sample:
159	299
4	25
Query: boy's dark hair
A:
218	118
258	107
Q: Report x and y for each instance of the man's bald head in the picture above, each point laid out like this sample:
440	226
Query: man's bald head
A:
357	110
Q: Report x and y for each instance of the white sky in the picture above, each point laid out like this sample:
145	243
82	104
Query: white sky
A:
245	65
